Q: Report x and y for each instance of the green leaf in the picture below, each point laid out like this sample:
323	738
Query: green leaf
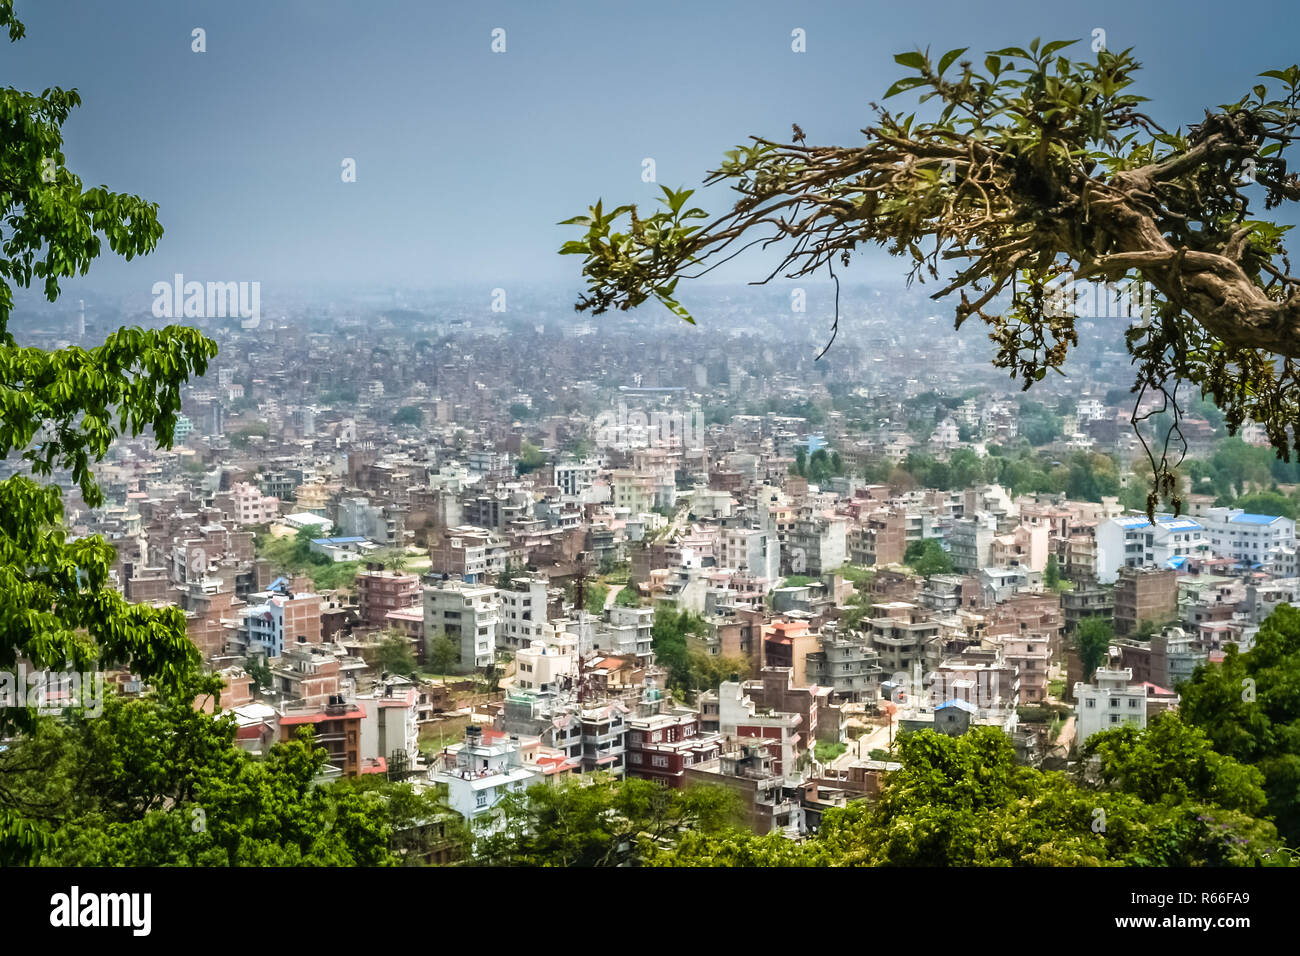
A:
1056	45
914	59
907	83
948	58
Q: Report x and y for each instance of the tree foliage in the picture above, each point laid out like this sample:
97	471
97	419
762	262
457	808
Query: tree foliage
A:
158	782
62	410
1249	708
599	822
1092	640
1033	170
963	801
927	557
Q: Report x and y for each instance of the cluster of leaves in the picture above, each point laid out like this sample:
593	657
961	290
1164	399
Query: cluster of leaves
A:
1162	797
927	557
1249	707
63	409
1092	639
599	821
1033	170
690	670
158	782
1084	476
819	467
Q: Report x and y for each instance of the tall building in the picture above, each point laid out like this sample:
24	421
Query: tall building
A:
469	615
1144	595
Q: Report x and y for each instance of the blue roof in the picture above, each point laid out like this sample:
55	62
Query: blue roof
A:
354	540
1254	519
959	704
1166	521
1177	561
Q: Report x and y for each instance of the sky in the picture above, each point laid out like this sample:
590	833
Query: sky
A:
466	159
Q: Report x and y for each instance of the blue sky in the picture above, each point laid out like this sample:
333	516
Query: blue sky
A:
466	159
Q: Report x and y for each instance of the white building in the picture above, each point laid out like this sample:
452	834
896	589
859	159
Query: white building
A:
574	478
468	615
1258	541
1132	541
547	665
751	549
1112	701
390	729
481	771
626	632
523	612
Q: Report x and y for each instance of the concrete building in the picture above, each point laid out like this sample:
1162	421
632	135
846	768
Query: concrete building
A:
1113	700
904	635
970	542
523	612
357	517
475	554
281	620
816	545
1257	541
379	592
1132	541
846	664
468	614
251	506
481	771
1144	595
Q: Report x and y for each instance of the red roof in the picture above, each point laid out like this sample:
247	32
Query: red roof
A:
320	716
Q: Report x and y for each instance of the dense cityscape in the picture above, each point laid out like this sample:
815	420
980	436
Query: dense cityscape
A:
477	549
484	438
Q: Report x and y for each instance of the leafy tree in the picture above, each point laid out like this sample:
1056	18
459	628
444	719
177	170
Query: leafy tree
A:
419	821
1052	573
600	822
963	801
443	654
1174	763
1092	639
256	668
1268	503
395	654
155	781
62	410
1249	708
593	596
408	415
668	636
1092	477
801	460
530	458
1030	170
927	557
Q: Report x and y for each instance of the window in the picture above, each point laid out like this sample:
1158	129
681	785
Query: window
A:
1092	702
658	760
1133	702
481	798
1114	718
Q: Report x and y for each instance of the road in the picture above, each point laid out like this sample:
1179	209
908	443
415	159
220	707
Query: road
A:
876	739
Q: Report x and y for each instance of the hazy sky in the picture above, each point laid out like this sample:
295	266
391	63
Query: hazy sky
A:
465	158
